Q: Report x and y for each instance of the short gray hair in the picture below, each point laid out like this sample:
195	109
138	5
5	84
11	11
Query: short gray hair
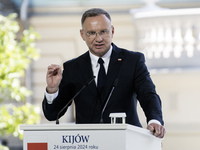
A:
93	13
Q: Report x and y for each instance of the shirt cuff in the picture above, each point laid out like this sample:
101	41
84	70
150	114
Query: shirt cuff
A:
154	121
50	97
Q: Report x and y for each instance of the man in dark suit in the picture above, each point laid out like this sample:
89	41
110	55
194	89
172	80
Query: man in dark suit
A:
127	68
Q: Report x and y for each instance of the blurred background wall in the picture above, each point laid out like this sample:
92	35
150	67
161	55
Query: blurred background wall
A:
166	31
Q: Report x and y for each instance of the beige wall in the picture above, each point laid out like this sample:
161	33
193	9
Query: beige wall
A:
179	91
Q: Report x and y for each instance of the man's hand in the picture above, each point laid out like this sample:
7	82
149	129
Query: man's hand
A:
158	130
53	78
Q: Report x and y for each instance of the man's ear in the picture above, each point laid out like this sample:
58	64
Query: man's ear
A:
113	30
82	34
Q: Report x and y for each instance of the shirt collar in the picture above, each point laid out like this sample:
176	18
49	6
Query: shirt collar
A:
106	57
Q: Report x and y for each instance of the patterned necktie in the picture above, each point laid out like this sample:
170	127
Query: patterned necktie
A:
101	77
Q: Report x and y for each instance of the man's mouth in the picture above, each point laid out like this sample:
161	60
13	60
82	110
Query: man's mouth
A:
99	45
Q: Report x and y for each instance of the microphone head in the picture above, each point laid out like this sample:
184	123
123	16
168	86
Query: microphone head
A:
89	81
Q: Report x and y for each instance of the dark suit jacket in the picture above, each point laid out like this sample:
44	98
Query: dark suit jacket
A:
134	83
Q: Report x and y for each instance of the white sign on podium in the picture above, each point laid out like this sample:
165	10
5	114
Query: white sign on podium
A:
88	137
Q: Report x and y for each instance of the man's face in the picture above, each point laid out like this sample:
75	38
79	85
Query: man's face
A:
97	32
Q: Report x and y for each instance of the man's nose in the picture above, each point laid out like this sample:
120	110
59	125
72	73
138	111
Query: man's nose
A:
98	37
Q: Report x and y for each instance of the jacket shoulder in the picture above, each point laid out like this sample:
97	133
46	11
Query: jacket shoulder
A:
77	59
127	51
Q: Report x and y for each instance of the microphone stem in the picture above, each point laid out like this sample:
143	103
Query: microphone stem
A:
57	119
101	121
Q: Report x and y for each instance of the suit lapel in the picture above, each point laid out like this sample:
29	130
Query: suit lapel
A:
86	70
113	69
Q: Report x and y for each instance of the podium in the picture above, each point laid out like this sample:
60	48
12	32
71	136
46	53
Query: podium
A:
88	137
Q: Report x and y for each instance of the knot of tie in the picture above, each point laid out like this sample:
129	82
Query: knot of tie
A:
100	61
101	77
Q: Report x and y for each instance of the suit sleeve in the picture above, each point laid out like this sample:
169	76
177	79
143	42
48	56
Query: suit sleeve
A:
65	94
146	92
50	110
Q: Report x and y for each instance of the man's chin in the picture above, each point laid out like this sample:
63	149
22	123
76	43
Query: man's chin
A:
99	53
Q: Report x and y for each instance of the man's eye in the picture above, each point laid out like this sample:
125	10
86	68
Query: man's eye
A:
103	32
91	33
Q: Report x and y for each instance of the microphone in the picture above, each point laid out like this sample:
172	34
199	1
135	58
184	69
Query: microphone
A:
84	86
113	87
